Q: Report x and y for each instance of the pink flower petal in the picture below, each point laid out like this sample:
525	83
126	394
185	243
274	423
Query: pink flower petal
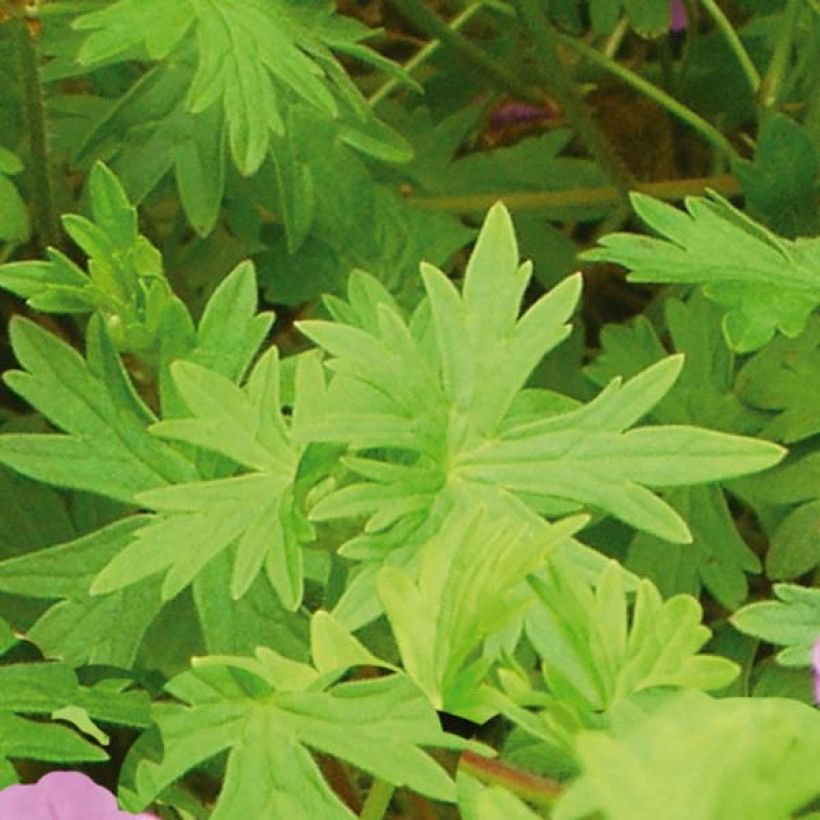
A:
62	796
815	662
678	21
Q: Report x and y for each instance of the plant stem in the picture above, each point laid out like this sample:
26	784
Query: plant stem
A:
615	39
770	85
424	54
46	221
378	800
708	131
530	787
470	55
728	31
669	190
554	75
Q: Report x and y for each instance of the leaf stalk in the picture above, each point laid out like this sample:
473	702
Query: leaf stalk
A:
528	786
46	220
667	101
470	55
378	800
554	75
669	190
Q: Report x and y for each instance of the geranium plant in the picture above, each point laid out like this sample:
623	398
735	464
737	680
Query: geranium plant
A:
409	409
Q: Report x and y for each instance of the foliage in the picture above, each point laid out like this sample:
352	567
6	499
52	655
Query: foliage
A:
316	501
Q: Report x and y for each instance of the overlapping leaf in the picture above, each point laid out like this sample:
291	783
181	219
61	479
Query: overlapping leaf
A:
267	711
784	378
765	282
150	132
717	556
469	587
443	387
15	225
250	58
242	75
594	654
106	447
32	690
254	510
124	283
792	621
699	758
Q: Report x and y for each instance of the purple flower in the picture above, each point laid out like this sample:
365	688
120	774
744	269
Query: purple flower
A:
815	662
677	16
517	112
62	796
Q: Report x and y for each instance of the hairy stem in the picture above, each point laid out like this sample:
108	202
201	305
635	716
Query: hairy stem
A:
554	76
530	787
424	54
470	55
695	121
734	43
669	190
378	800
773	80
46	220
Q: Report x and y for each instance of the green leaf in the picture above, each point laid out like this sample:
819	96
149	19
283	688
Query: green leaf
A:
534	164
150	132
795	546
266	712
718	557
107	449
441	386
278	50
584	455
659	766
594	655
42	689
703	395
649	18
231	329
15	225
194	522
78	629
125	282
766	283
784	378
257	618
792	621
469	587
779	183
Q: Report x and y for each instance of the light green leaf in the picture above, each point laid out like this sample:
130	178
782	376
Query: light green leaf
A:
43	689
235	704
77	629
107	449
442	388
196	521
792	621
595	655
677	763
584	456
766	283
469	587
